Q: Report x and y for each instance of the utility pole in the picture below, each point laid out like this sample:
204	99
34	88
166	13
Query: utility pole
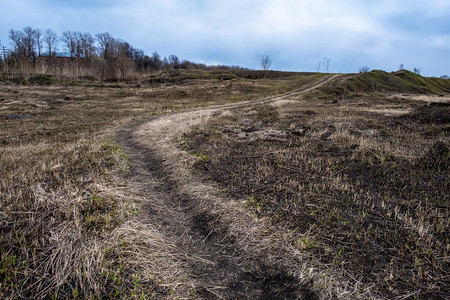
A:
3	55
4	52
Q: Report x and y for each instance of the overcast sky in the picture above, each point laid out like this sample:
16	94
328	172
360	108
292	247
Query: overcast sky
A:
296	34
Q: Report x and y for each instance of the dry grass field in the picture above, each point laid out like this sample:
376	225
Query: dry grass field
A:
63	197
359	175
354	174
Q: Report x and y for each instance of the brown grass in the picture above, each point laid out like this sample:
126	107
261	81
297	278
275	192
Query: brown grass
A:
70	223
342	191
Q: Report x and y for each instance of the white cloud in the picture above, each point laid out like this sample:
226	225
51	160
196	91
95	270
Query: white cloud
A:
297	33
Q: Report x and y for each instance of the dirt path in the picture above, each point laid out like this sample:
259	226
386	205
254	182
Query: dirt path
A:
226	252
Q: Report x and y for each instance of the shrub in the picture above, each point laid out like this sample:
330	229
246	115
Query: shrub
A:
226	76
364	69
41	80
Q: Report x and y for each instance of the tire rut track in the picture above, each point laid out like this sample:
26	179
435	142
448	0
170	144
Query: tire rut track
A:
226	255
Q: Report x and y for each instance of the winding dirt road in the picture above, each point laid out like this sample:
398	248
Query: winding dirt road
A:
224	251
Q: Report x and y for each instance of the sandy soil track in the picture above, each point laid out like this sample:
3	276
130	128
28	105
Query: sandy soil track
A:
225	252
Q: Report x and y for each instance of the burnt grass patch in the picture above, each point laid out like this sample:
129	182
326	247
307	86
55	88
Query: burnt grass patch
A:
240	275
364	191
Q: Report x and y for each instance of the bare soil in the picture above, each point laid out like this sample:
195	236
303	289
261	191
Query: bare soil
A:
227	251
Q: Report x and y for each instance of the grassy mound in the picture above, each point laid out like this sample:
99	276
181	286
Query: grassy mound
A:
183	76
402	81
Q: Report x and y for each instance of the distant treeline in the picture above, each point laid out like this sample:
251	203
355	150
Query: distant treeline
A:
99	56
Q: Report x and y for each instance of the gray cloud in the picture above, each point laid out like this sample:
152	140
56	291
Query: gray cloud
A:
296	34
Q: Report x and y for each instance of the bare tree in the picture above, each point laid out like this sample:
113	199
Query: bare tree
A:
165	64
87	44
155	61
120	59
24	43
124	50
51	41
39	40
326	63
107	45
77	37
138	56
16	37
84	44
266	62
68	39
29	40
174	61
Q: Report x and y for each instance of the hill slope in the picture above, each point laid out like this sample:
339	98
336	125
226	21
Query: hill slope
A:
402	81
